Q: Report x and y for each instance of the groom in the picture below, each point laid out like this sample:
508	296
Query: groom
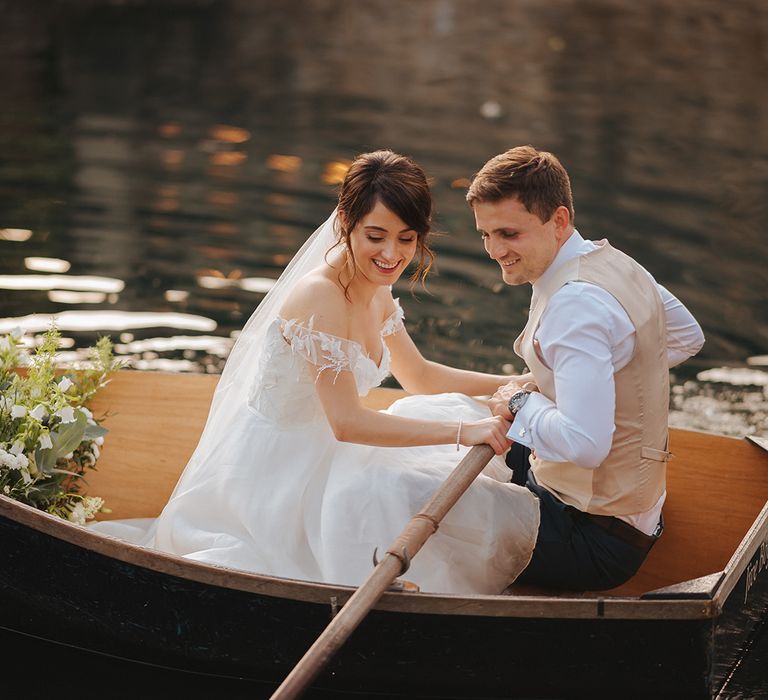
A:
590	419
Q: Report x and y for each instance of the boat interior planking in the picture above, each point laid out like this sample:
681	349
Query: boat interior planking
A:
717	485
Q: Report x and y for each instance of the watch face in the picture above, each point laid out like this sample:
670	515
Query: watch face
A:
517	401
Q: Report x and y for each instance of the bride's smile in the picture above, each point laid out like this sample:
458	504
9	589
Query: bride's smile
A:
382	245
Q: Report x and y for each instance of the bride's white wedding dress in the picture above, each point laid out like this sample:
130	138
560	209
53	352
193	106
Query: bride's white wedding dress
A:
279	495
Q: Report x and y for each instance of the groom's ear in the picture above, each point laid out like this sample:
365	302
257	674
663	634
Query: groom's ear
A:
562	219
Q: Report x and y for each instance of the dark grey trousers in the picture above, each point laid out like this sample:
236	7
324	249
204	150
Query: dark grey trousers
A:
571	552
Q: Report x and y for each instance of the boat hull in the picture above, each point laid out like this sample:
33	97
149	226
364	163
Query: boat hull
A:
68	594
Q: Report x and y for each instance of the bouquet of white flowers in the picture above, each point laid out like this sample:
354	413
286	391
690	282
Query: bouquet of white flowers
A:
48	437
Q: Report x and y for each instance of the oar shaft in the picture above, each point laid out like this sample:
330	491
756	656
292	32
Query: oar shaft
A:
412	538
337	632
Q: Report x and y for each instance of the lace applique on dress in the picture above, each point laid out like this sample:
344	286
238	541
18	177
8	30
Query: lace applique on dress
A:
394	322
323	350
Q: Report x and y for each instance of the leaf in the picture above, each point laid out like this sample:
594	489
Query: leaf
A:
66	471
65	440
94	431
47	489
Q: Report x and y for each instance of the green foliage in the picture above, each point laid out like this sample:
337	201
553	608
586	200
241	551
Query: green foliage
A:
48	437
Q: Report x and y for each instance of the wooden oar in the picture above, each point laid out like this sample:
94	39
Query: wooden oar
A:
392	565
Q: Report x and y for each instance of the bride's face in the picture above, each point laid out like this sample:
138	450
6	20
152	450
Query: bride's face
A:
383	245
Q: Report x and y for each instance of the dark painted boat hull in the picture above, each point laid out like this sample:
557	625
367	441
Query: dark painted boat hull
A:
59	591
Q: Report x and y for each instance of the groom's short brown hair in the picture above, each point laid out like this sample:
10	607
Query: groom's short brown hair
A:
536	178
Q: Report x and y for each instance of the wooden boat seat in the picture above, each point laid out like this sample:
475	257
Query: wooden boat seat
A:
716	486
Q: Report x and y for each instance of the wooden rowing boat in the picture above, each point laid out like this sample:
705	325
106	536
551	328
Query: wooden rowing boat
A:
680	625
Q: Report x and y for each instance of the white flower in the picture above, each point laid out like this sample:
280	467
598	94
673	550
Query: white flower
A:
38	412
96	451
69	455
65	384
6	489
77	514
26	477
17	332
92	505
18	411
17	448
67	414
7	460
87	413
11	461
99	441
45	441
4	343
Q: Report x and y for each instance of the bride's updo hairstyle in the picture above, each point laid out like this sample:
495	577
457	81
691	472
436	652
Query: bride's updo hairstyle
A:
401	186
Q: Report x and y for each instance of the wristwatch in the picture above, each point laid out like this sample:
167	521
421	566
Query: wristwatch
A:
517	401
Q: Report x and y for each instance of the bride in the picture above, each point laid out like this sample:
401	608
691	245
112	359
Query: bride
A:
293	476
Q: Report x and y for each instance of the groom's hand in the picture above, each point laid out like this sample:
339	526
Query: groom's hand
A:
499	402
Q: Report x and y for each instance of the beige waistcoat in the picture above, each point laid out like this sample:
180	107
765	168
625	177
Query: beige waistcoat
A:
631	479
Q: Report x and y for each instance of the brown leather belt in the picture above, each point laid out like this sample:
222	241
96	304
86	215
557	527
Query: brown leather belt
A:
624	531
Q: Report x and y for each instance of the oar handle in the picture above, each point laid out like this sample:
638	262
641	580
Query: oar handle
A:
411	539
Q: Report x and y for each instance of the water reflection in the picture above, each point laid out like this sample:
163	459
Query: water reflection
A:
736	376
208	343
106	321
177	295
15	234
37	264
62	296
83	283
188	152
260	285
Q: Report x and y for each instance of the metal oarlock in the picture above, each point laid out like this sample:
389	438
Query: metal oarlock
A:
405	560
399	585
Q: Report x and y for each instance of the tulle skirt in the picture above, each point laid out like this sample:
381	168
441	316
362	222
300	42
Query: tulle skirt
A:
297	503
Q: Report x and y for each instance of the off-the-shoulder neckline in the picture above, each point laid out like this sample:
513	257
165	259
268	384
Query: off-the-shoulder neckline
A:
357	344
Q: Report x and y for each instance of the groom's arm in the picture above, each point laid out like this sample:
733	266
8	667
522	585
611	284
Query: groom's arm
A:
499	402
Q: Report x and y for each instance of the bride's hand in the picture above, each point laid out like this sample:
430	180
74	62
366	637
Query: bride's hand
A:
488	431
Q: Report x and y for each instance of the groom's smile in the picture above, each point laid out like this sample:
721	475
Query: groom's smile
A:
522	244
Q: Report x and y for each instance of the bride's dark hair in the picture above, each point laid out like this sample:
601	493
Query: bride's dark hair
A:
401	186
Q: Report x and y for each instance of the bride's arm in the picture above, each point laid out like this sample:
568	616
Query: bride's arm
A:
353	422
350	421
418	375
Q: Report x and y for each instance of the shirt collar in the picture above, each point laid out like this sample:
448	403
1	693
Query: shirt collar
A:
572	248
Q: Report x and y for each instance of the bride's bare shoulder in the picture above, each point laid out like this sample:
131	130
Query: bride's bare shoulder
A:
318	297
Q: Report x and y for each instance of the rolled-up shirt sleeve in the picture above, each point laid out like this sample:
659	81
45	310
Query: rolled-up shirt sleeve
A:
684	335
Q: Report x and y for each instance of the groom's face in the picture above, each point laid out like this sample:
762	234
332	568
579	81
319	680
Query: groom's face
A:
522	244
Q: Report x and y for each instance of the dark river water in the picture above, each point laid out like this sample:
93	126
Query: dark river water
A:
160	162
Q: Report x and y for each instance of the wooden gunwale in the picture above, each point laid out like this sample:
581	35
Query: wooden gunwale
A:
524	606
748	547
